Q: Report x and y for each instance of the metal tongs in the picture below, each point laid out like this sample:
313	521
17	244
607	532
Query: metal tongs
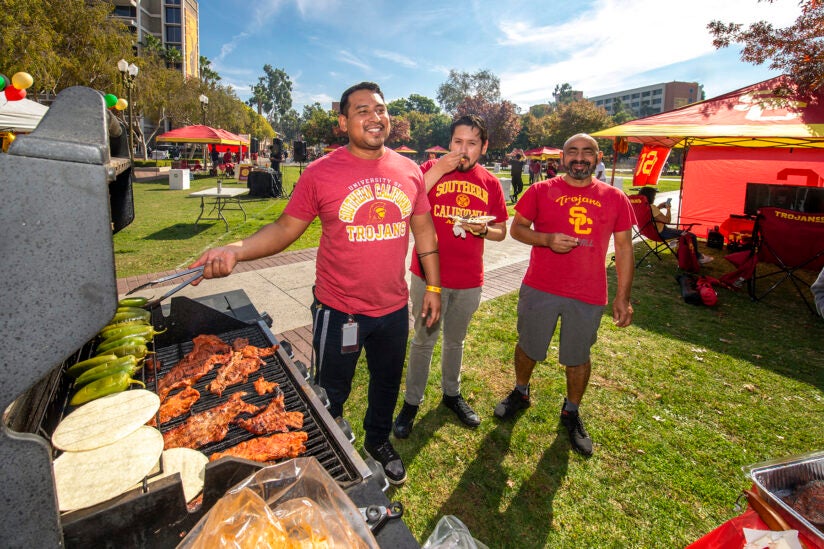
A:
198	273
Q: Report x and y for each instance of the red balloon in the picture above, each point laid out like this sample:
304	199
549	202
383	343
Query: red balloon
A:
13	94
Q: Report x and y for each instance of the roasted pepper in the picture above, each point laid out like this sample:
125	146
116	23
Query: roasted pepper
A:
113	342
76	369
108	385
146	331
135	301
138	351
109	329
123	364
131	315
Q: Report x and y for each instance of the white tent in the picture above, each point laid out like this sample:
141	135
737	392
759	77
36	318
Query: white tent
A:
20	116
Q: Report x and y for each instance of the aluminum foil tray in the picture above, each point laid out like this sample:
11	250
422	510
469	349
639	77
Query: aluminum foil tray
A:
778	478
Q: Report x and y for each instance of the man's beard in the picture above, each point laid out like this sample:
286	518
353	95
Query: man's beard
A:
580	171
466	164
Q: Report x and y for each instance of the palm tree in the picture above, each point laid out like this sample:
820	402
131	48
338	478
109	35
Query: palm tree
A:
173	57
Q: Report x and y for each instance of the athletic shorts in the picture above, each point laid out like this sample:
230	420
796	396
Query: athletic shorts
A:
538	314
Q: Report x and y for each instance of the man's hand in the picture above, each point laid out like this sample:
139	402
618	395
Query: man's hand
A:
431	310
217	263
622	313
449	162
561	243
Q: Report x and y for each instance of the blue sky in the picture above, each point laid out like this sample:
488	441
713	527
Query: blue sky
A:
598	46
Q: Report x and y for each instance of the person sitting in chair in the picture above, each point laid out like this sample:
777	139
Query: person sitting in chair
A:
662	214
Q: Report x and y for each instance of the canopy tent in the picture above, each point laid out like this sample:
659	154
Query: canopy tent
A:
543	153
332	147
405	150
223	139
21	116
749	135
437	149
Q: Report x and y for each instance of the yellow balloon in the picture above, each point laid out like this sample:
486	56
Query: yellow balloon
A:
22	80
121	104
7	140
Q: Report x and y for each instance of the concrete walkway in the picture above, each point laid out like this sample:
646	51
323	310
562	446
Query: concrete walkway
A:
281	285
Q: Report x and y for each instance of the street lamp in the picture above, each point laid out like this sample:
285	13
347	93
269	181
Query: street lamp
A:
204	104
129	71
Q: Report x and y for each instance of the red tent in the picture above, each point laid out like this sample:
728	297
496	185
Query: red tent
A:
437	149
749	135
222	139
542	153
406	150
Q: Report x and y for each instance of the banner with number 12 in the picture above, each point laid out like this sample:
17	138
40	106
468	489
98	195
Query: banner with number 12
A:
651	161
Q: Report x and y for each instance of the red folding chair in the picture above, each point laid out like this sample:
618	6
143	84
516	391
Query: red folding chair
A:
646	229
784	243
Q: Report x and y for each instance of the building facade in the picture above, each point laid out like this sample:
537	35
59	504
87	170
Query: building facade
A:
173	22
649	100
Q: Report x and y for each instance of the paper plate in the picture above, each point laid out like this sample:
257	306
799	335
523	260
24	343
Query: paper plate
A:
479	219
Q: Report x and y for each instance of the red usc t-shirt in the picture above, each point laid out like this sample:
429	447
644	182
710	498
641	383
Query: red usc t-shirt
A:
472	193
591	214
364	208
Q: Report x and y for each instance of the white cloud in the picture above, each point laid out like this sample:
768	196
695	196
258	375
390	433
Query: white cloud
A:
396	58
348	57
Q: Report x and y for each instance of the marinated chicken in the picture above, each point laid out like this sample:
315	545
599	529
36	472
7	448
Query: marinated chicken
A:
177	405
209	426
208	351
245	360
277	446
263	387
273	419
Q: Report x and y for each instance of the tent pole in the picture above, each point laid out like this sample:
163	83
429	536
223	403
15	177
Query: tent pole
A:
683	169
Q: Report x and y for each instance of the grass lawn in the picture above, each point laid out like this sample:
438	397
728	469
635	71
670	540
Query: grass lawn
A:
678	402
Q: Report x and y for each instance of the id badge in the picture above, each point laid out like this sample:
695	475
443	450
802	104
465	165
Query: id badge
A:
349	337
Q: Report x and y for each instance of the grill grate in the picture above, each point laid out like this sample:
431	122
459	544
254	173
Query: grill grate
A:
320	443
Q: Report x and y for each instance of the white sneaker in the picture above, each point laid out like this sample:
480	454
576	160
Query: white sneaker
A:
705	259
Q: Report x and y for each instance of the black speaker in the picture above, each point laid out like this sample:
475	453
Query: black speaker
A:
299	150
276	148
254	146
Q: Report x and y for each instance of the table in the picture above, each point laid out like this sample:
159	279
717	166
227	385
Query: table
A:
224	199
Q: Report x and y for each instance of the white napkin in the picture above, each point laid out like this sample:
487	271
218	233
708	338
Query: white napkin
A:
457	230
760	539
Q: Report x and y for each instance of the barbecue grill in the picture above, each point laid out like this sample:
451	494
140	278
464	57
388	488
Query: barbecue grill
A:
67	196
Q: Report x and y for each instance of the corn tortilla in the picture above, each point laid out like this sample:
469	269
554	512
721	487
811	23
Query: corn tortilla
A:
105	420
87	478
191	465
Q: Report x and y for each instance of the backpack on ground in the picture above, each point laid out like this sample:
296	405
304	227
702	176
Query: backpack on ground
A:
687	254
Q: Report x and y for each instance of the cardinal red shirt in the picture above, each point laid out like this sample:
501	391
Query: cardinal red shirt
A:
591	214
364	208
472	193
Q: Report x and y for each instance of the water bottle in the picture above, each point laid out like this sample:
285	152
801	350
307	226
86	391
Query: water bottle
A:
219	186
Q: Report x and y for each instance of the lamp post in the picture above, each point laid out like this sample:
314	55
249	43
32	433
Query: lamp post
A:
129	71
204	104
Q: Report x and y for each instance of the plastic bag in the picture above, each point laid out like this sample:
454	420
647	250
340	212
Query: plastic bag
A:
451	533
291	504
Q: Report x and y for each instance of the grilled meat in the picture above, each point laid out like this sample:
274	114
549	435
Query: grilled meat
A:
209	426
808	500
273	419
262	386
177	405
208	351
245	361
277	446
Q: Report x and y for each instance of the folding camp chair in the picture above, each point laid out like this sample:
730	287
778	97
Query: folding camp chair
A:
647	229
786	242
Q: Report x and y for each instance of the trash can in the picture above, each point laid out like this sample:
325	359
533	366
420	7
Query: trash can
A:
178	179
506	185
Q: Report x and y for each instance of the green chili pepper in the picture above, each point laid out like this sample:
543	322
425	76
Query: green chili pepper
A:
116	341
108	385
76	369
123	364
110	329
131	316
135	301
139	351
145	331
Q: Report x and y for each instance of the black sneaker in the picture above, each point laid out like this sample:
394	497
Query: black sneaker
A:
578	436
513	403
386	455
461	408
403	423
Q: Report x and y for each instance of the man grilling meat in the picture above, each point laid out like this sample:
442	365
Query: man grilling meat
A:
367	198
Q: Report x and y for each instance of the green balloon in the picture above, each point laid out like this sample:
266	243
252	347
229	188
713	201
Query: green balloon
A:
4	81
111	100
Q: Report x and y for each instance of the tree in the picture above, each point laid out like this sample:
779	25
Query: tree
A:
427	130
621	113
501	117
399	131
415	103
278	90
320	125
208	76
173	57
462	85
580	116
563	94
797	50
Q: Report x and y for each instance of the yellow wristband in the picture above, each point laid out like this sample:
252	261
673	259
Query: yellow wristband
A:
434	289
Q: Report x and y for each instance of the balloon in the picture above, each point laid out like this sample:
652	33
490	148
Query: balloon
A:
121	104
4	81
13	94
111	99
22	80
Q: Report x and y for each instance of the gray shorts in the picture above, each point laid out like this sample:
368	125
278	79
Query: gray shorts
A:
538	314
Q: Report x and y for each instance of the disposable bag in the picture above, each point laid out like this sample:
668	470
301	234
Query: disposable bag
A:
451	533
291	504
